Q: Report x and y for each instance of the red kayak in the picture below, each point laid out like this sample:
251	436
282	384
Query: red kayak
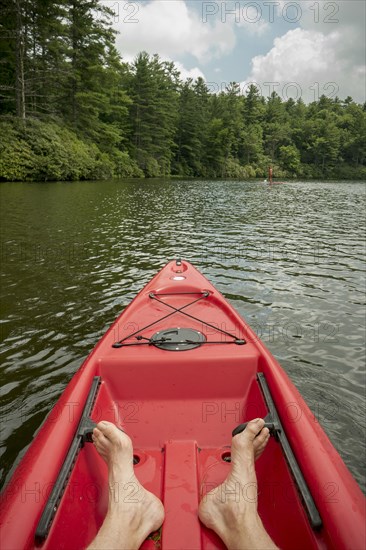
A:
180	370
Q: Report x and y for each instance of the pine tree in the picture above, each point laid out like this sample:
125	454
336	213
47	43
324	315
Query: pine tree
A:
277	131
186	135
153	89
254	106
192	124
46	31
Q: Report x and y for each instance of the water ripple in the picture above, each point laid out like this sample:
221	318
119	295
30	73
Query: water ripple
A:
290	258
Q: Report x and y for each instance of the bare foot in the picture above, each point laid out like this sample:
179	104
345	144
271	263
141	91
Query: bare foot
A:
231	509
133	512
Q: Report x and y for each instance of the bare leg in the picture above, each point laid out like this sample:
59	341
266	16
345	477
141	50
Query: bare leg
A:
231	509
133	513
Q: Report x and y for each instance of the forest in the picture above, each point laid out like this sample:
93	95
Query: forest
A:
71	108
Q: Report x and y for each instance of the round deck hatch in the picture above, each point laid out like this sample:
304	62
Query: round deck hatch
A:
177	339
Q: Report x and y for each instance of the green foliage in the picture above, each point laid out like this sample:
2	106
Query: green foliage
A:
289	158
43	151
17	160
71	109
125	167
234	170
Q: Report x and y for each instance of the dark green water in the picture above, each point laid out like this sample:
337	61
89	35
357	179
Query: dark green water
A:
290	258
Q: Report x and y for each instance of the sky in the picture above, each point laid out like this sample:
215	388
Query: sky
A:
298	49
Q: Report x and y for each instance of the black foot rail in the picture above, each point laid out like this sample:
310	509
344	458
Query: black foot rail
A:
82	435
273	423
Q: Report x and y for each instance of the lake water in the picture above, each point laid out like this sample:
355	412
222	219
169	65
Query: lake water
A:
290	258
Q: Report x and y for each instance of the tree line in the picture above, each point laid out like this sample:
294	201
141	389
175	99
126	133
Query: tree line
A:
71	108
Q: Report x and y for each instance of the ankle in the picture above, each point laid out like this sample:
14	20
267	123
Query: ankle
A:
250	536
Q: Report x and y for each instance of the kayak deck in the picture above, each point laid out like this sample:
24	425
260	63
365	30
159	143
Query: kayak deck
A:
179	408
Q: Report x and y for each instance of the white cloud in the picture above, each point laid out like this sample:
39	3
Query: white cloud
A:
170	29
316	63
347	17
189	73
325	16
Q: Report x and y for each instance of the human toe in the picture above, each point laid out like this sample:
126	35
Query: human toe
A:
251	431
261	438
109	431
